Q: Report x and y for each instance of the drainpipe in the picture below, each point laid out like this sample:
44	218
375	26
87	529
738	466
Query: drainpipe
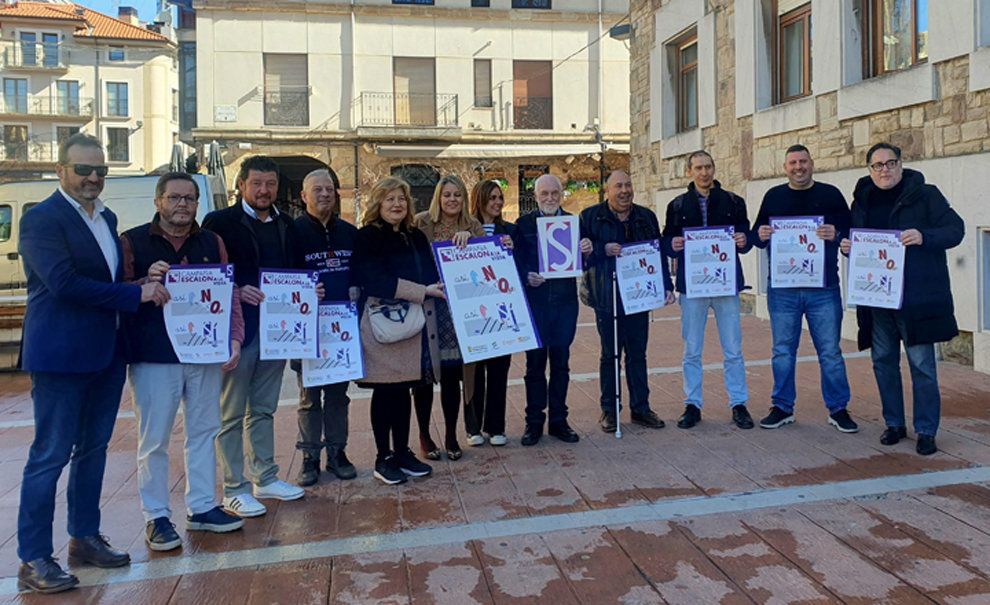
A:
354	95
601	68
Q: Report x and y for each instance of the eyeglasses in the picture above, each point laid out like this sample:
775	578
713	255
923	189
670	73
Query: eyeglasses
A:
889	165
175	199
85	170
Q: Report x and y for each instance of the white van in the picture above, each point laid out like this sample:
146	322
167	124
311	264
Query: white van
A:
130	198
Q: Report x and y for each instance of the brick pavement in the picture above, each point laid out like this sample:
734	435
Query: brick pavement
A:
710	515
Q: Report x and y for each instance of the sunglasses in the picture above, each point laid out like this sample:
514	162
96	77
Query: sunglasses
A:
86	170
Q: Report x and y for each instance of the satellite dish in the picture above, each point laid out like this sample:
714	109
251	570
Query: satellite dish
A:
164	17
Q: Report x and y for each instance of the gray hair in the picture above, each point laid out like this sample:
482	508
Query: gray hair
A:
547	177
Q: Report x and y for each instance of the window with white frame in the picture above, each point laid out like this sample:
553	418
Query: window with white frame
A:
117	145
793	49
685	51
117	99
67	97
896	35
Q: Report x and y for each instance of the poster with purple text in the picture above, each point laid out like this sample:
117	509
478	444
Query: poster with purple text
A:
639	276
797	254
288	315
876	269
340	357
487	302
197	319
710	262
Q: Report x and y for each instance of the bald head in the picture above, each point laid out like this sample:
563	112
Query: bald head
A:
620	193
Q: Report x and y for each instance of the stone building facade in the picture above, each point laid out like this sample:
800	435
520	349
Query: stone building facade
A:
934	105
505	90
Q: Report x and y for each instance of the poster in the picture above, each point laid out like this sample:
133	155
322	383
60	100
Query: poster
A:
876	269
710	262
288	314
198	317
639	276
797	254
487	302
339	343
559	239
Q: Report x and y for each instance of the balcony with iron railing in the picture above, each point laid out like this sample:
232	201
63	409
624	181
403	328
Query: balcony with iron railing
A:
28	152
35	56
287	106
533	113
71	108
405	110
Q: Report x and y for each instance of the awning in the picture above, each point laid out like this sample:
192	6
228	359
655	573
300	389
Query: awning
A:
493	151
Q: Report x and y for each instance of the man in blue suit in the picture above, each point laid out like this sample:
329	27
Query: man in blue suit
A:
71	346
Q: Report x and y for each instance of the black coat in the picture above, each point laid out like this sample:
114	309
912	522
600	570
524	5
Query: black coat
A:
601	226
234	227
927	306
683	212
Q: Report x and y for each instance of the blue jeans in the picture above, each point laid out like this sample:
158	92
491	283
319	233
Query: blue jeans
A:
823	309
889	329
694	316
633	333
74	415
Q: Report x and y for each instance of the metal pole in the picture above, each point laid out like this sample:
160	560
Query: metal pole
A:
615	350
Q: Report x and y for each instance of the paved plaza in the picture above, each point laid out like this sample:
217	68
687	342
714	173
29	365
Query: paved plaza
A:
801	514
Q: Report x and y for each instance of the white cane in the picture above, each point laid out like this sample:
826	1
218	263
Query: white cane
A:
615	350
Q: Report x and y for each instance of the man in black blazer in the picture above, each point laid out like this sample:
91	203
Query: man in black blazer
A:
71	346
256	235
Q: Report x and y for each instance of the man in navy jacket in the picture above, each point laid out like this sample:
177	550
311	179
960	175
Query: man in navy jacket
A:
73	349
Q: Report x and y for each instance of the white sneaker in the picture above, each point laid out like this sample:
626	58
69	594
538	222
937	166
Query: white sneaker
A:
243	505
280	490
498	440
475	440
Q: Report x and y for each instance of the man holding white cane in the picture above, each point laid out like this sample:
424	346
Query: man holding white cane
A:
605	228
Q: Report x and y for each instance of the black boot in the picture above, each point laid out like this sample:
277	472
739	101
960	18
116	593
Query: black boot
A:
309	474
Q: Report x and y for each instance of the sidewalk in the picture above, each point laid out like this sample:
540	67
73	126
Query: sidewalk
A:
710	515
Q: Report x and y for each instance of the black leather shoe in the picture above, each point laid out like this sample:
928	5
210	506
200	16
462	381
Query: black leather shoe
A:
740	415
563	432
607	422
96	551
690	417
44	575
309	474
926	445
893	434
649	419
532	435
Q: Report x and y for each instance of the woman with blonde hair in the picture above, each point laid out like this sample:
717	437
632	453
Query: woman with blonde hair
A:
448	219
485	382
393	264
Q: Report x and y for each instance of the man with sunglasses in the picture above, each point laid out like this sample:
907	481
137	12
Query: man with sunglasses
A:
160	383
73	346
894	197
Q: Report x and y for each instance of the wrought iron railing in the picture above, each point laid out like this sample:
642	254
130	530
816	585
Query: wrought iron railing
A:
35	55
533	113
422	110
37	105
27	151
287	106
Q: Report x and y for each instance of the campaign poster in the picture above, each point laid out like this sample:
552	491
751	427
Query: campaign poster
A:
797	254
710	262
198	316
876	269
487	302
339	343
288	315
559	246
639	276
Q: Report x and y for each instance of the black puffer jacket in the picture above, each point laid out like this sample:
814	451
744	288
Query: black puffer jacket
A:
724	208
927	303
601	226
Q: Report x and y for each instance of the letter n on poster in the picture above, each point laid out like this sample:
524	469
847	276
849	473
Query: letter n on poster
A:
559	246
487	303
339	344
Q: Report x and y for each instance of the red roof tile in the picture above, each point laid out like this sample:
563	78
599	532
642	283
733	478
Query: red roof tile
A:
89	24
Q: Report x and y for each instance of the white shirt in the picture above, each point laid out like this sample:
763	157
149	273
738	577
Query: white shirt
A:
100	229
250	212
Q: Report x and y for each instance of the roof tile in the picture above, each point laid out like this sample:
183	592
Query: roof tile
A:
89	24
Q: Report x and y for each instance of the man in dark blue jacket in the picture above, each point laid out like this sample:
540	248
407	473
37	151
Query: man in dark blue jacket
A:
325	243
605	228
894	197
73	348
821	306
554	305
706	204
